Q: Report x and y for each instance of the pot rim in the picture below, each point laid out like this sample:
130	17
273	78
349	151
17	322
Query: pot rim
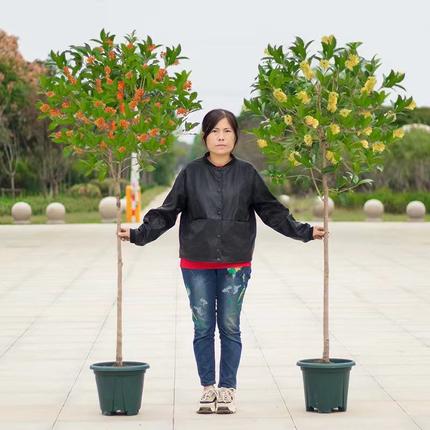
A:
337	363
128	366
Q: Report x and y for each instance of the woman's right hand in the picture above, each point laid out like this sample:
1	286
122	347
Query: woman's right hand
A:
124	233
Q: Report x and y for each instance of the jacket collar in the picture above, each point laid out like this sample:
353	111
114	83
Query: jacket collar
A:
205	158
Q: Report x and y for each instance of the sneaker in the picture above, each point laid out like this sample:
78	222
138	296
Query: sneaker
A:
225	401
208	401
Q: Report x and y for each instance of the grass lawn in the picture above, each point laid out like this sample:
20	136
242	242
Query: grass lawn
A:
85	215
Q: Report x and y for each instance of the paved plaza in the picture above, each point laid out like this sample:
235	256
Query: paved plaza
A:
58	316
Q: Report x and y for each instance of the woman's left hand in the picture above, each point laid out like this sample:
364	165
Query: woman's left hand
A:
318	232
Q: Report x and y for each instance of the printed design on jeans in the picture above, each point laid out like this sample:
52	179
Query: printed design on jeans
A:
237	284
198	312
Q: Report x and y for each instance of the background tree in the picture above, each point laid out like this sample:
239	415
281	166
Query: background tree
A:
108	100
325	111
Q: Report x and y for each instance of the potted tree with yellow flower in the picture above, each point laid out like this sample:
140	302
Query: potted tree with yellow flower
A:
105	102
325	115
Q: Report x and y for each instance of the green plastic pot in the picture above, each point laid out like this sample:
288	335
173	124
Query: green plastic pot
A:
120	388
326	384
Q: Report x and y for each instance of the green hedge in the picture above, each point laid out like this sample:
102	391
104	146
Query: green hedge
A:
393	202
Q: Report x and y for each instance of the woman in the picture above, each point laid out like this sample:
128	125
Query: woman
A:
218	195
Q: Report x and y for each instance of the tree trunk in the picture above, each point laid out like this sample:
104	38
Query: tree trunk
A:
12	184
326	352
119	273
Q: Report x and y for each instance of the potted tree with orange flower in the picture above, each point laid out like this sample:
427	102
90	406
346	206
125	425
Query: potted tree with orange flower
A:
325	115
105	102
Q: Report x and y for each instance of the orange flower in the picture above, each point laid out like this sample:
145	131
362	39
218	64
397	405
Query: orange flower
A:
171	123
181	111
113	126
99	85
69	133
100	49
71	79
129	75
122	108
176	62
108	70
54	113
78	150
154	132
100	123
119	96
121	86
66	70
110	110
121	149
133	104
103	145
111	135
112	55
50	94
98	103
109	81
139	93
124	124
130	45
187	85
151	47
109	42
65	105
160	74
142	137
162	141
157	104
58	135
171	88
45	107
90	60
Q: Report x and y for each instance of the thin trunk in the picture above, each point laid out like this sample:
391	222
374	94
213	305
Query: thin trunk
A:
12	184
326	352
119	273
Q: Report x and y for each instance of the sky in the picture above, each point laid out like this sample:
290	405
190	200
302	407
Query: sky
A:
225	40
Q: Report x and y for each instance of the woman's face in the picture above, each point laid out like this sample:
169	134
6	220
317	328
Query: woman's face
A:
221	138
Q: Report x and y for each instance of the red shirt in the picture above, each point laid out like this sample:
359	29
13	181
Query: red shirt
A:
188	264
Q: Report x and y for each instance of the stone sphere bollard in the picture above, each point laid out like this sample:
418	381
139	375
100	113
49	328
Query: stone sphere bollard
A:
374	210
416	211
284	199
107	209
56	213
21	213
318	207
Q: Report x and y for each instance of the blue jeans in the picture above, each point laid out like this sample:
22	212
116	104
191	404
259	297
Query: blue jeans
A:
216	297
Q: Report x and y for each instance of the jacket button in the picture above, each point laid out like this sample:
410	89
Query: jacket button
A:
218	258
219	212
218	235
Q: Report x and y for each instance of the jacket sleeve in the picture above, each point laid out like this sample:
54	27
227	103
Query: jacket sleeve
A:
159	220
275	214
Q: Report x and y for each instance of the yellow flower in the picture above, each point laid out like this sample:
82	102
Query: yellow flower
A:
334	128
378	147
324	64
330	157
288	119
303	97
292	158
344	112
367	131
364	143
391	115
306	69
308	140
412	105
398	133
366	114
279	95
311	121
327	39
369	85
352	61
332	101
261	143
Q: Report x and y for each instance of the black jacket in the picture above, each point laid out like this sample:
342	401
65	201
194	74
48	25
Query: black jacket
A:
218	206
